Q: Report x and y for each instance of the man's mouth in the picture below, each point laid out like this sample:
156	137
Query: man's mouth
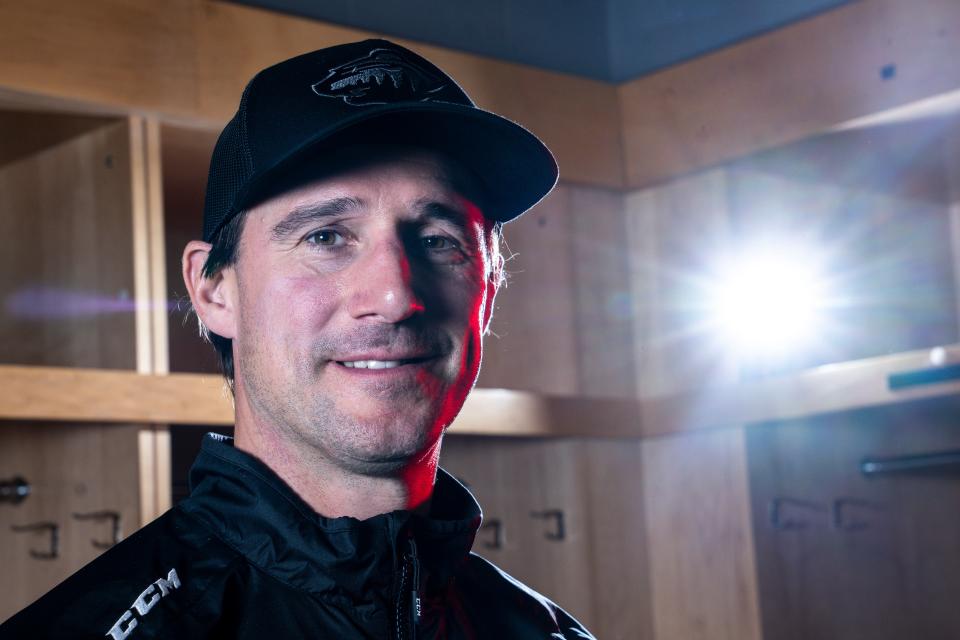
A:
372	364
379	364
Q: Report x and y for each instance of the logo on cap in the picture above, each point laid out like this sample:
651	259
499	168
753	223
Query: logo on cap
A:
380	77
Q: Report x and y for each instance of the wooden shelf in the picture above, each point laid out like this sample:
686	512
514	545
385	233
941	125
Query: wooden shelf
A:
94	395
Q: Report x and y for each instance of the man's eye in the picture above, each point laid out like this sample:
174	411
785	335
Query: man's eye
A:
438	243
325	238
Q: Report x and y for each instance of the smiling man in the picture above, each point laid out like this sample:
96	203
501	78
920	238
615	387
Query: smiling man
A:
355	303
346	276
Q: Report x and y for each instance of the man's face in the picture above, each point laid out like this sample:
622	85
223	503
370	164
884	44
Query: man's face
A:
362	297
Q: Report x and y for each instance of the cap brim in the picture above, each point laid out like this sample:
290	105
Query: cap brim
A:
514	168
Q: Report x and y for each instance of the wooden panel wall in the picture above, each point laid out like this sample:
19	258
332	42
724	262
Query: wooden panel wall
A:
74	291
66	281
604	314
71	468
887	258
27	132
859	557
869	207
121	53
186	160
562	324
699	537
786	85
599	571
951	156
674	232
533	343
613	480
190	59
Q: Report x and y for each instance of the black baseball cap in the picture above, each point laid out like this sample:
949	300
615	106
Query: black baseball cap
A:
372	91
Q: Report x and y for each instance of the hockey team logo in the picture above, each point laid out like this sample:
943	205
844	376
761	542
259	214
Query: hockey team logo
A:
380	77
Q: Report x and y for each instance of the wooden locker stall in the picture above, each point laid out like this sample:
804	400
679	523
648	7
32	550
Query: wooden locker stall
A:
84	480
699	539
854	511
564	515
847	554
76	200
68	203
872	206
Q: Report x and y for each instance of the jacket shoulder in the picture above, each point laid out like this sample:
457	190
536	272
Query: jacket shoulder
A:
144	587
507	602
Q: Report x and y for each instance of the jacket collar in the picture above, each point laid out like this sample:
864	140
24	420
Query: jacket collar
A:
248	506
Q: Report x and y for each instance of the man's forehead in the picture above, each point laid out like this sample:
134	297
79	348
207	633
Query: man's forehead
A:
432	188
332	170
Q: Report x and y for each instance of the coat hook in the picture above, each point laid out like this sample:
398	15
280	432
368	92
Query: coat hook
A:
54	530
841	516
783	523
560	532
15	490
115	527
497	526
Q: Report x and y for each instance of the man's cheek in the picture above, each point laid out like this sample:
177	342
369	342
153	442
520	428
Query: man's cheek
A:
307	305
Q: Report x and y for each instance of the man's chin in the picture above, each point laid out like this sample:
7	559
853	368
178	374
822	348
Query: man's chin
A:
387	457
387	436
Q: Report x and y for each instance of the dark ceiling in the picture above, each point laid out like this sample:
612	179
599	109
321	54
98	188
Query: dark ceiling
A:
612	40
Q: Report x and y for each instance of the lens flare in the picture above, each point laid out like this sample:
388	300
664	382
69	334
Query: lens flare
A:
769	302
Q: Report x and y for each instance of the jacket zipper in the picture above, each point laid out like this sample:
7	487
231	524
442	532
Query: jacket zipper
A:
415	590
411	564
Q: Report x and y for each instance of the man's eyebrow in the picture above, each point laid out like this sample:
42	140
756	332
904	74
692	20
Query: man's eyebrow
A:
305	214
438	211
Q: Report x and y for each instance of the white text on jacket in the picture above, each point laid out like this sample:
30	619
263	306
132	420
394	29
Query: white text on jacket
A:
161	587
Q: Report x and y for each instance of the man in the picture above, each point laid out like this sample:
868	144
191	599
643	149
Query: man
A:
347	273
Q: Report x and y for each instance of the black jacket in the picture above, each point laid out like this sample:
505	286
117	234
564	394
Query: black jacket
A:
245	557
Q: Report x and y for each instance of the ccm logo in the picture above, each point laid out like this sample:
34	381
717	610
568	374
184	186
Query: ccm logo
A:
161	587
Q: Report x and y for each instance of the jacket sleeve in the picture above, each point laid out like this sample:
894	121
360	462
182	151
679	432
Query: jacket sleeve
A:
142	588
91	604
571	627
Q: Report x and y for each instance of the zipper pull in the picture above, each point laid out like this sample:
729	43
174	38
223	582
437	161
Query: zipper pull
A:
415	593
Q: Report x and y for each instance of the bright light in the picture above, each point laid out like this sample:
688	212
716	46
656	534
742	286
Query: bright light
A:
769	302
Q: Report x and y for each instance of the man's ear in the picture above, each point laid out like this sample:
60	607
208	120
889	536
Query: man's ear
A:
213	298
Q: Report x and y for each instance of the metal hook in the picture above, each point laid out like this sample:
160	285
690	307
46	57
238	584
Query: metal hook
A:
841	507
560	532
497	527
15	490
54	530
781	523
115	527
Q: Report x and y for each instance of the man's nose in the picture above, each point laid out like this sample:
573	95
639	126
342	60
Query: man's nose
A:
382	286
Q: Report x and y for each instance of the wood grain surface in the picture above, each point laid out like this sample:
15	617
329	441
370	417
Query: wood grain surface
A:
884	563
72	468
188	61
700	537
66	278
787	85
73	394
598	572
